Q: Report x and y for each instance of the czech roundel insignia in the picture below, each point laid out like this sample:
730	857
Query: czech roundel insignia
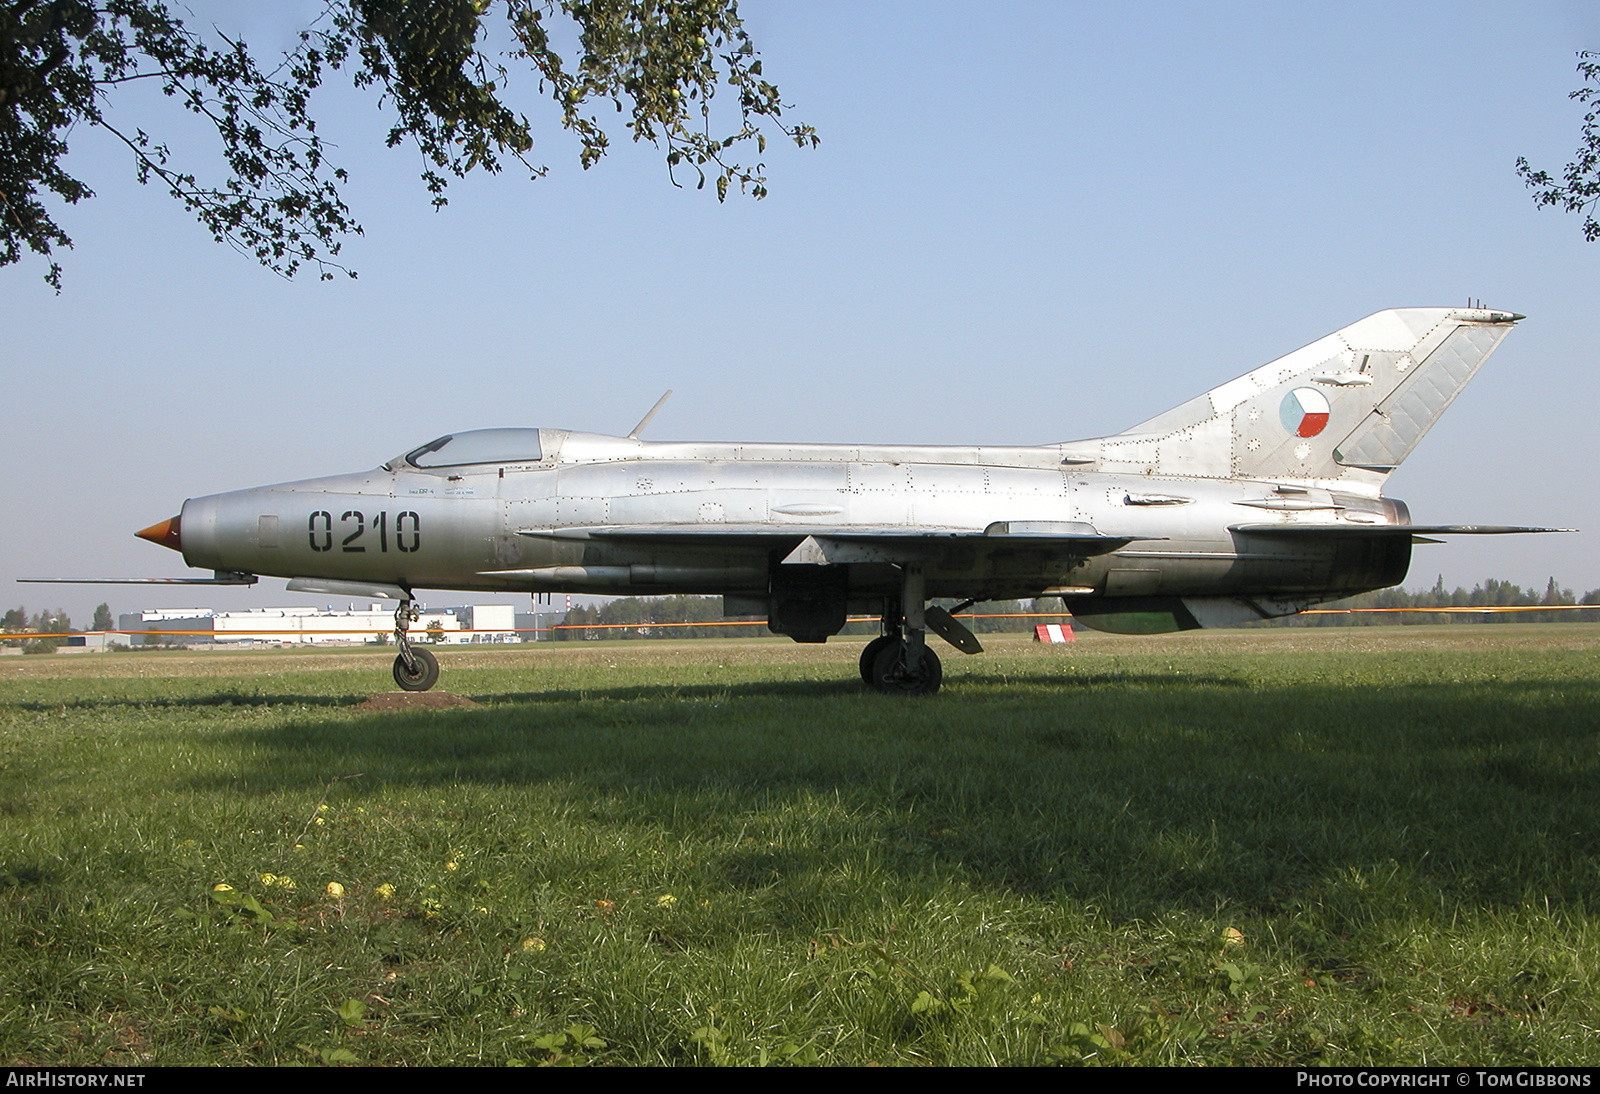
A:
1304	412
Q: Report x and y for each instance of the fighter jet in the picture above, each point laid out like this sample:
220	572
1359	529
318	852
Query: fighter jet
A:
1259	498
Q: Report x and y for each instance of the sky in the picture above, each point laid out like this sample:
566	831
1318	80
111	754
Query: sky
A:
1026	223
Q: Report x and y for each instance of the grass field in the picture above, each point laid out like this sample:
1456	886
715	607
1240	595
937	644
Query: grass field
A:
1340	846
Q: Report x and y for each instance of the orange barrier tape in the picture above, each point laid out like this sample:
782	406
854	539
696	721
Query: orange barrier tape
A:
30	636
1490	608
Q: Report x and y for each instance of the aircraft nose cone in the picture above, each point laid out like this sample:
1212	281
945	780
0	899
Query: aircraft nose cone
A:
165	533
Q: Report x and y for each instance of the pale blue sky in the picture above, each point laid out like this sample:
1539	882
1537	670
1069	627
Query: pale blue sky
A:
1026	223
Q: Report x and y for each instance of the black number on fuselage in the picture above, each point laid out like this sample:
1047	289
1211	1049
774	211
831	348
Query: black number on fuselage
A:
325	532
407	530
400	531
361	526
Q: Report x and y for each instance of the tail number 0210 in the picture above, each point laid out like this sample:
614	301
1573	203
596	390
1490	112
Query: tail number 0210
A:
352	526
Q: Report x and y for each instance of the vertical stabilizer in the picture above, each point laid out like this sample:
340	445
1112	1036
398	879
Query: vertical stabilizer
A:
1350	406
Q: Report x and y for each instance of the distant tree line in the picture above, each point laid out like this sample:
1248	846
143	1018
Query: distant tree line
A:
46	623
641	617
619	618
17	621
1489	594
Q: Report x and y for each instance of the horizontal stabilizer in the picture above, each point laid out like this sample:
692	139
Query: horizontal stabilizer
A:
1387	529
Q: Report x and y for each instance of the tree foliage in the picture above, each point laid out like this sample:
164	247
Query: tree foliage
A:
1578	190
47	623
444	66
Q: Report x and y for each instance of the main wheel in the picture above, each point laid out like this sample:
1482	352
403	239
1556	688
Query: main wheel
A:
869	655
423	677
892	677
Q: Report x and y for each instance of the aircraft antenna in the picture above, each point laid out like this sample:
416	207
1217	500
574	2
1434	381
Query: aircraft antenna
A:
646	419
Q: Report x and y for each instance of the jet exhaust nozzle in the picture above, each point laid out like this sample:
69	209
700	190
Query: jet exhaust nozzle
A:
165	533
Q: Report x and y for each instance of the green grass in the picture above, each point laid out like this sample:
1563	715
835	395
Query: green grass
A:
1300	847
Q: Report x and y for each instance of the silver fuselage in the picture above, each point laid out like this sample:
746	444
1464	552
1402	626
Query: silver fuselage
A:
522	526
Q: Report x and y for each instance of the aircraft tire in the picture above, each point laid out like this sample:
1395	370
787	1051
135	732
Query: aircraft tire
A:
869	655
425	676
890	678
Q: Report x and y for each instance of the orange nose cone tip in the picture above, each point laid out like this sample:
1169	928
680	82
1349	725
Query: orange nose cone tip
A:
165	533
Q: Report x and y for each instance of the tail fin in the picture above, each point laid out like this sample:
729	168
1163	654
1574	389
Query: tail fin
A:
1350	406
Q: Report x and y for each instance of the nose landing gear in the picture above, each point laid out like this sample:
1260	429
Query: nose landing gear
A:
414	669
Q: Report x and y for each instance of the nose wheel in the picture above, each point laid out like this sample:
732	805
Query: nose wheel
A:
420	675
414	669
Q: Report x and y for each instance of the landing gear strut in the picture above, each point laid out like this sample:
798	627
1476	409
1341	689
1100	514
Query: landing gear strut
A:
414	669
900	661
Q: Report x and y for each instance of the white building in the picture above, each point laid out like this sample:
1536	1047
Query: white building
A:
318	626
490	622
187	626
313	626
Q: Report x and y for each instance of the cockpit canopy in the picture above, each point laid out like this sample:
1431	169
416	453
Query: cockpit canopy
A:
477	446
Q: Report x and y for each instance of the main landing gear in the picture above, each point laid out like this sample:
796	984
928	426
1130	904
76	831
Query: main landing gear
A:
414	669
899	661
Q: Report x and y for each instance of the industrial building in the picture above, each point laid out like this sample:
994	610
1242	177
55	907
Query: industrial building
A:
351	625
